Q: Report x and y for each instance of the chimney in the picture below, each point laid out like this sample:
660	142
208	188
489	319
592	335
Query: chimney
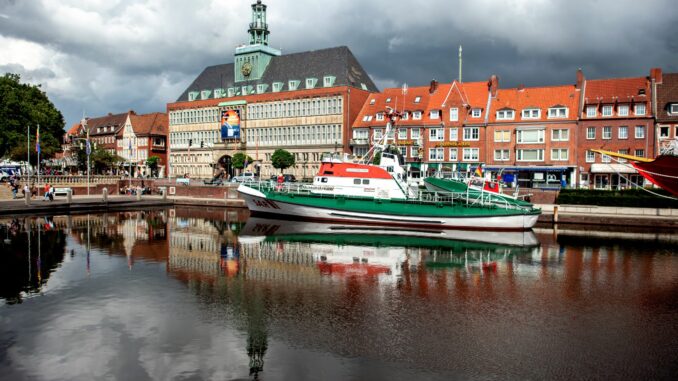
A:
656	74
434	86
521	87
110	114
493	84
580	79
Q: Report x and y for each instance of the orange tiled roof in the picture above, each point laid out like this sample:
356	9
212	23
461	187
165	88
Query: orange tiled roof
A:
150	124
542	98
397	101
617	90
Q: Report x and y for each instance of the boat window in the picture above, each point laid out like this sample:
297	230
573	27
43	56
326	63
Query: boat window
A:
389	169
366	181
323	180
328	173
356	181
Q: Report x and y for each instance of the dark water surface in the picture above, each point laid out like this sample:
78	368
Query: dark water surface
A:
198	294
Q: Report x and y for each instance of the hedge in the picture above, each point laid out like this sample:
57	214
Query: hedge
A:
639	198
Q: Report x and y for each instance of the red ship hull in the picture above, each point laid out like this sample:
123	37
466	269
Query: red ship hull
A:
662	172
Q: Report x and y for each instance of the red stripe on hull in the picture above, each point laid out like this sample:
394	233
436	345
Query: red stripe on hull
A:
354	170
663	172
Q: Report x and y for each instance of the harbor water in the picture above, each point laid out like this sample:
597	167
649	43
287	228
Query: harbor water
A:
201	294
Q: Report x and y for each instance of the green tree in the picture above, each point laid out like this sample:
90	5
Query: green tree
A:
24	106
100	159
238	160
282	159
152	163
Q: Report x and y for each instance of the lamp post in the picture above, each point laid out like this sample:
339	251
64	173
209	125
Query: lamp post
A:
88	150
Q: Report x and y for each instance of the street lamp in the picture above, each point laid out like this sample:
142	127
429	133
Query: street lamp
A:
88	148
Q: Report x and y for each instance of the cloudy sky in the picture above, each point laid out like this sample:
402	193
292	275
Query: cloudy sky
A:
100	56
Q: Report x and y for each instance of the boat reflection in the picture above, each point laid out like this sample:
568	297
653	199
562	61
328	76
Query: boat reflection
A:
341	250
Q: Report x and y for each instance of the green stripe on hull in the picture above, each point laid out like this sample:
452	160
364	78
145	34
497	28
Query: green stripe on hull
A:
405	208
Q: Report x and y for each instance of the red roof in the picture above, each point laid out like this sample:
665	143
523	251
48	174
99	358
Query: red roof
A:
377	103
150	124
541	98
617	90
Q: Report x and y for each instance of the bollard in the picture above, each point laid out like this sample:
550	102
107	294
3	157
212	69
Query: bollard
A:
28	198
69	195
555	214
105	194
139	194
164	194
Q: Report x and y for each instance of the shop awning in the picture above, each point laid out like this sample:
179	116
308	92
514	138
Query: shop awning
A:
612	168
527	168
415	165
433	165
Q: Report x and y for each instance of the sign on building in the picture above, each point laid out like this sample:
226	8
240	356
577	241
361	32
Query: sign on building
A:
230	124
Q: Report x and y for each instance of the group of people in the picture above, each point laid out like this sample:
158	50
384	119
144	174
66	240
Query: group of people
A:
15	184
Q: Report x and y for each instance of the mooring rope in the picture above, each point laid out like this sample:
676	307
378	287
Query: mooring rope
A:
640	186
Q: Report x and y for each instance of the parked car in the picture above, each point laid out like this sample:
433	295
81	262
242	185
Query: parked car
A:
62	191
4	176
245	177
286	178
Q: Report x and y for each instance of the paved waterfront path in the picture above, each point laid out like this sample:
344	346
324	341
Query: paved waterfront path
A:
79	204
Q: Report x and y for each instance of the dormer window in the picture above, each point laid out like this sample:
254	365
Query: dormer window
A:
380	116
367	118
640	109
558	112
205	94
416	115
475	113
388	100
531	113
328	80
591	111
372	101
434	114
231	92
607	110
277	86
193	95
219	93
673	109
261	88
417	99
310	82
623	110
293	84
505	114
406	115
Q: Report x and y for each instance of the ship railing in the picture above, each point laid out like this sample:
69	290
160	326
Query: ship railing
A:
482	199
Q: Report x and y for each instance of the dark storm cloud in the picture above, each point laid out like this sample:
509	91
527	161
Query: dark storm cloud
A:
101	56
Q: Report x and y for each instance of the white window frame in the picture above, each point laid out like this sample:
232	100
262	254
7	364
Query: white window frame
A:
607	133
434	114
557	154
673	108
640	109
372	101
402	133
414	151
454	154
590	157
433	154
558	112
623	110
639	132
607	110
590	133
454	114
415	133
417	99
502	154
504	137
560	135
380	116
470	154
591	111
639	152
520	136
531	113
454	134
436	134
416	115
361	133
471	134
476	113
625	134
520	153
377	134
388	100
506	114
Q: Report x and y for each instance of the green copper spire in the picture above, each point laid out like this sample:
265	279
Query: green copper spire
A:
258	28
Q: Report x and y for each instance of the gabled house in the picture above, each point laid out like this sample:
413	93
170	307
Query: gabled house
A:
142	137
666	107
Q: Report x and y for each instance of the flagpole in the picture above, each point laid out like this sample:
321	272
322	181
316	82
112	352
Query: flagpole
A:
37	148
28	154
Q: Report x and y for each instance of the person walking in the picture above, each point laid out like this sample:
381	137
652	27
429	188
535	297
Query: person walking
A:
46	192
51	193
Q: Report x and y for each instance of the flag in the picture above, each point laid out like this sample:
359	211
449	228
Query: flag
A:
88	150
37	140
479	171
245	165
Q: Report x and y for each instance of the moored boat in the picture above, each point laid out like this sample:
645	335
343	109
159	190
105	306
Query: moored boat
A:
344	190
473	186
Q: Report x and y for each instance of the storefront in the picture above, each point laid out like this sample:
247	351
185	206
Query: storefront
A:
543	177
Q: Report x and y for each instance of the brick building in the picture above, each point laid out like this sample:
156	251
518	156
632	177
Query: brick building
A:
302	102
141	137
616	116
666	109
531	135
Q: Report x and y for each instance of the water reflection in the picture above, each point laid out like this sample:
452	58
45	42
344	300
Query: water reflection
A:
299	300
